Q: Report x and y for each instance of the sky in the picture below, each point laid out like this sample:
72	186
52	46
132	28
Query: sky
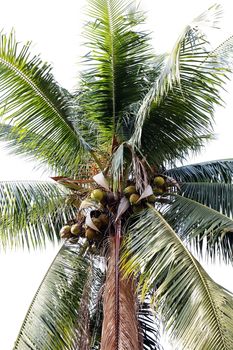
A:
55	30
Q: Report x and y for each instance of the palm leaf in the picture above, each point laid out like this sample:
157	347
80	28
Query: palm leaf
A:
149	326
201	225
39	111
218	196
118	59
211	171
31	212
183	291
209	183
56	318
180	103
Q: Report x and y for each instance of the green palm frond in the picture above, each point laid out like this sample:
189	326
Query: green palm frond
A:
149	327
56	318
218	196
183	291
118	62
209	183
31	212
201	225
180	103
213	171
37	108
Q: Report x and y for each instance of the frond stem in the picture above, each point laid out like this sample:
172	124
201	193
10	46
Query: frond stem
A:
112	66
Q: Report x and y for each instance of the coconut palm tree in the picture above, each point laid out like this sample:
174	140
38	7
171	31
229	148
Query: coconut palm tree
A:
132	222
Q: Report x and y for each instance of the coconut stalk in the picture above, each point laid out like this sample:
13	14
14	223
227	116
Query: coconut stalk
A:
120	324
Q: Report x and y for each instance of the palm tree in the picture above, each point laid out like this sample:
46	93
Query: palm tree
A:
130	219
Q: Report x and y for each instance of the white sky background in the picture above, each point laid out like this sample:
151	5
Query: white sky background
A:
54	27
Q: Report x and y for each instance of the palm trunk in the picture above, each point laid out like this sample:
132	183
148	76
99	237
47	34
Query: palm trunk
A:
120	324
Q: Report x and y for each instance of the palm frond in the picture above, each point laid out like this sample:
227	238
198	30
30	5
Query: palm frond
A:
201	225
180	102
212	171
37	108
118	59
218	196
183	291
31	212
56	318
149	327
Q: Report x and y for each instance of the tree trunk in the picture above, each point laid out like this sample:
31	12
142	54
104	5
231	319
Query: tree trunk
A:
120	324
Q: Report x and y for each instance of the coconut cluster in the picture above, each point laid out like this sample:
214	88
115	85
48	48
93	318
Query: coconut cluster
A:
159	186
93	232
99	208
93	228
72	231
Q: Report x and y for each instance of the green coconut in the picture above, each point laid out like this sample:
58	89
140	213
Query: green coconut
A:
134	199
129	190
65	231
159	181
97	195
151	198
158	191
76	229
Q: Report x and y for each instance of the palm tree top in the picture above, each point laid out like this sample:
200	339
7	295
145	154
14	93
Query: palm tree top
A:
129	217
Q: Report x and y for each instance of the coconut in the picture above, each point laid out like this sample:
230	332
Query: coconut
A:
151	198
159	181
134	198
76	229
65	231
97	222
158	191
104	219
97	195
129	190
90	233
